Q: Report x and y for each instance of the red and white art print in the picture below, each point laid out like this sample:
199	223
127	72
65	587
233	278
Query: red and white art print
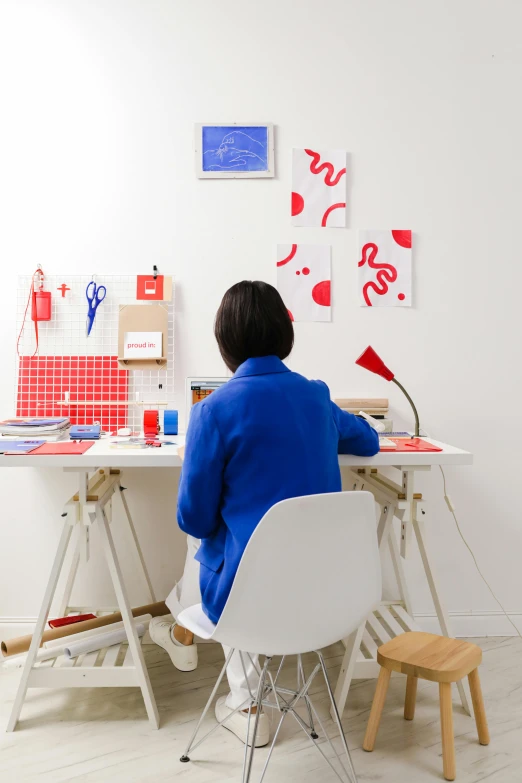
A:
319	188
384	259
304	279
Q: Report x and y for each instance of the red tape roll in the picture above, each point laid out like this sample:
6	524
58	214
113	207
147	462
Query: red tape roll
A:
150	423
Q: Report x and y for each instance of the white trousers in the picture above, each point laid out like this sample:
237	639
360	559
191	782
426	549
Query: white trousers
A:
187	593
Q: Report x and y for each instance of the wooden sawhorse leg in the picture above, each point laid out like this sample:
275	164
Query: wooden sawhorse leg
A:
92	511
353	643
40	623
126	613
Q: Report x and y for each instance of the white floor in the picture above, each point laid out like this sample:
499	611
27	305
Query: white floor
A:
103	734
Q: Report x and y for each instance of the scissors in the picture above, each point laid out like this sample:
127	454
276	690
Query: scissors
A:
95	294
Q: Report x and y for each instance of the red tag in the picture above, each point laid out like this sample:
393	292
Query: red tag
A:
149	287
41	306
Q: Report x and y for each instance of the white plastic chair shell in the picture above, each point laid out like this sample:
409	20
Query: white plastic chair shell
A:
309	576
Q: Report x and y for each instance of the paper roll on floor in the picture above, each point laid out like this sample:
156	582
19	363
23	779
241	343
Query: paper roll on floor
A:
98	642
144	619
21	644
56	647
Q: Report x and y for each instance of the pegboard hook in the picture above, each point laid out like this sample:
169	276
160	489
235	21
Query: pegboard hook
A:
155	271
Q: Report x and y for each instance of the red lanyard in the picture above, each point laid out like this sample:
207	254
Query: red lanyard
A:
39	271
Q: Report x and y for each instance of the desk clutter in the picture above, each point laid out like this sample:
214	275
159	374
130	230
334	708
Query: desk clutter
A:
98	356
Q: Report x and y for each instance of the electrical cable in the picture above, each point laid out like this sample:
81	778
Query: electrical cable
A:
452	510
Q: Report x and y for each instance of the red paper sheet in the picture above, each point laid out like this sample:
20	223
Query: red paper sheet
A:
67	447
411	444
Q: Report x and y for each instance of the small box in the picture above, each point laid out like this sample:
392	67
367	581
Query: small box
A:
85	432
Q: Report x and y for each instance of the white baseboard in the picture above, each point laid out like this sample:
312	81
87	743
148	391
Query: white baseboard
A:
462	624
466	624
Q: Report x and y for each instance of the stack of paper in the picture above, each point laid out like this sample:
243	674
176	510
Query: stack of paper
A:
44	429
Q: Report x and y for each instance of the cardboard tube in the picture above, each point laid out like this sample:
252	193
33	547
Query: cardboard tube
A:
56	647
21	644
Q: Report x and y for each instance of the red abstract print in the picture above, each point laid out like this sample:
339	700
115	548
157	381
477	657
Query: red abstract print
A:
297	203
289	256
315	169
386	273
403	238
321	293
340	205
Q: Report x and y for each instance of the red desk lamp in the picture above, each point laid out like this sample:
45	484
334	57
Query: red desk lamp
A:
372	362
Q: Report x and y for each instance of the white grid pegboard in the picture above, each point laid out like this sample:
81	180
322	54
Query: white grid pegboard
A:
65	367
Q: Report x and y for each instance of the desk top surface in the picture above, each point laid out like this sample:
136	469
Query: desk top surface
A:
101	455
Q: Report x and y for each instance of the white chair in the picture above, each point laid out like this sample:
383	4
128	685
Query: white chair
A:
309	576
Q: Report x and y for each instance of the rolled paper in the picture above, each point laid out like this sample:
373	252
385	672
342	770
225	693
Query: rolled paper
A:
98	642
56	647
53	643
21	644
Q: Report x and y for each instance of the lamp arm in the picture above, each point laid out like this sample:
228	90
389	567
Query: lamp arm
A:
401	387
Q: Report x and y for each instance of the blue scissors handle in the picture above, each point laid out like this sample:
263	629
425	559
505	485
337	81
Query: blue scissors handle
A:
95	295
92	292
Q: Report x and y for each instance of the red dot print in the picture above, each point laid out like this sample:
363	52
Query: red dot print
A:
321	293
297	203
402	297
403	238
298	272
306	271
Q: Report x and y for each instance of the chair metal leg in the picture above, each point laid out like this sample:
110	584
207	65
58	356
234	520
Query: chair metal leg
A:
337	717
247	766
301	677
185	757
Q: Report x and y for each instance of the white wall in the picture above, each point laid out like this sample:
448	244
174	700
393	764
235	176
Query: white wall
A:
99	99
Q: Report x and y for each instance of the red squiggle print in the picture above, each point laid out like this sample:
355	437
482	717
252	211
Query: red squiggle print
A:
289	257
315	169
386	274
340	205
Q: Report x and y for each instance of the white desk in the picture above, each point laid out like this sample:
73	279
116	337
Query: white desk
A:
395	498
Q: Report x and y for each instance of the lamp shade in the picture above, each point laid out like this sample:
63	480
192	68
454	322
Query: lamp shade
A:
372	362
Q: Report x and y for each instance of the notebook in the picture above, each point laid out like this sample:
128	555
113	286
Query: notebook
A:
411	444
20	446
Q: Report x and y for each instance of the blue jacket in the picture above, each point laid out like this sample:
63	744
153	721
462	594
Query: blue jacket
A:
267	435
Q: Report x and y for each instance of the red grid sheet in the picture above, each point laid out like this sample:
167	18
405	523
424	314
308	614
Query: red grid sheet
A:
46	381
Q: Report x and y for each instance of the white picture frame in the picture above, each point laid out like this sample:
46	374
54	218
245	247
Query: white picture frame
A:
226	150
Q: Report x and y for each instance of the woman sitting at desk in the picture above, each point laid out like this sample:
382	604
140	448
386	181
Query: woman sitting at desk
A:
267	435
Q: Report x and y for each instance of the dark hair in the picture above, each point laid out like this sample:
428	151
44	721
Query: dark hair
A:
252	320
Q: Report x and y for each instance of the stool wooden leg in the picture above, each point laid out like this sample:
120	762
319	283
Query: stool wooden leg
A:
376	711
478	707
446	722
411	695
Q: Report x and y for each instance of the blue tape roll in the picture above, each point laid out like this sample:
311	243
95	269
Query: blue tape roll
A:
170	423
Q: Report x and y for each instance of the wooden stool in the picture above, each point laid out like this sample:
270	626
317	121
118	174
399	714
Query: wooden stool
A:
434	658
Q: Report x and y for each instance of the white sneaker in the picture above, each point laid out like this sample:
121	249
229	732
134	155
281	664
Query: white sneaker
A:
183	656
238	724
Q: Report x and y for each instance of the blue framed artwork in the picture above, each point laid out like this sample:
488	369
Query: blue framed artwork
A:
234	150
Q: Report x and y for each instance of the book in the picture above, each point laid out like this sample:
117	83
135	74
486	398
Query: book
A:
362	403
70	620
20	446
34	426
